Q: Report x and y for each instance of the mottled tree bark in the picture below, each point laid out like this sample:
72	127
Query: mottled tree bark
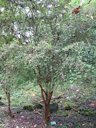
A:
47	113
46	99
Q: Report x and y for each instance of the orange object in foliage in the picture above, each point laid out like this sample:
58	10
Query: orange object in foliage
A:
76	10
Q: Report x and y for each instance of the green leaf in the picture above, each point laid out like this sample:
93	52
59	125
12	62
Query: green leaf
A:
3	2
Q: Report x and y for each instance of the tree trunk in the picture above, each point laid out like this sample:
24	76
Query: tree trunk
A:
46	96
47	113
9	105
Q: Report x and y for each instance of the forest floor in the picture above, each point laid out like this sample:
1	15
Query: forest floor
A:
80	115
34	119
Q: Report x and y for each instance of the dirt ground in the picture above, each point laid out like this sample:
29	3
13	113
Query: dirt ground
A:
34	119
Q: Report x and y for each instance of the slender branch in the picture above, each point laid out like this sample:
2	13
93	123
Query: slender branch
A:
50	96
89	1
44	94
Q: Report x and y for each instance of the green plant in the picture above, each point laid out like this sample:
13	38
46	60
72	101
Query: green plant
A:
87	112
48	49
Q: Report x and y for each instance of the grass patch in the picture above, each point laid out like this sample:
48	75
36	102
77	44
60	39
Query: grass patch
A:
63	113
68	105
87	112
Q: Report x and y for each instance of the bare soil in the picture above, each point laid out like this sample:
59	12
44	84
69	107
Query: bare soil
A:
34	119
